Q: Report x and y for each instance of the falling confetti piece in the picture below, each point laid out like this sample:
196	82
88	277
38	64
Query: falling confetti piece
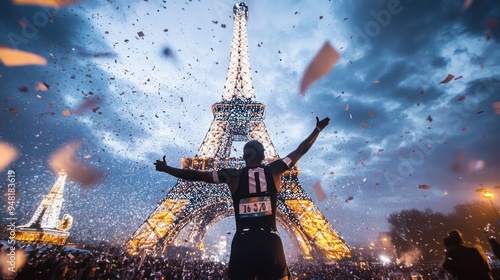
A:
19	257
64	159
14	111
429	118
481	190
458	78
140	33
467	4
424	187
41	86
9	154
23	89
88	103
496	107
376	81
66	112
320	66
371	113
458	164
476	165
319	191
364	124
223	25
349	199
49	3
347	106
422	91
447	79
492	23
11	57
461	97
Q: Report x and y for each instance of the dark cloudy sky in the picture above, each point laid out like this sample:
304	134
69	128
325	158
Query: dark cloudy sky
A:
393	125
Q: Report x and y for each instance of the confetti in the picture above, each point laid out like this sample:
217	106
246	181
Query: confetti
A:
9	154
140	33
476	165
48	3
467	4
491	24
64	159
88	103
349	198
458	164
364	124
14	111
424	187
422	91
319	191
66	112
41	86
429	118
347	106
447	79
496	107
11	57
461	97
320	66
19	257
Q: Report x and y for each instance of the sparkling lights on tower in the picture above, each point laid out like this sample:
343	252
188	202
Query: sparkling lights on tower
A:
197	206
45	226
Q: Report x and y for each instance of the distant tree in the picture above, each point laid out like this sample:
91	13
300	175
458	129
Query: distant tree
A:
424	230
471	219
413	229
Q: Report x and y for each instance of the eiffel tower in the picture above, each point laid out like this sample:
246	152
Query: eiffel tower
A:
45	226
197	206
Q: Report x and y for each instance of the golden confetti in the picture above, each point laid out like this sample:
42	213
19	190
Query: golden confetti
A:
320	66
48	3
10	57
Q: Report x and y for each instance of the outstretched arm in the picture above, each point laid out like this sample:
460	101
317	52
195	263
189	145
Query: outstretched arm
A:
186	174
309	141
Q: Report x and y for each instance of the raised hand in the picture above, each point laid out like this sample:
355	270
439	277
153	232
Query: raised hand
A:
161	165
320	124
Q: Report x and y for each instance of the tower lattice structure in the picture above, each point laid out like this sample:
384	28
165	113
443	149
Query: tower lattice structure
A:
45	226
197	206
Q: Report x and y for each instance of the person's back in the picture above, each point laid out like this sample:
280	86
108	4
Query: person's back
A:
465	263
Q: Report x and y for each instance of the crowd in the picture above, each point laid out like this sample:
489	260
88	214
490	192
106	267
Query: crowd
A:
60	263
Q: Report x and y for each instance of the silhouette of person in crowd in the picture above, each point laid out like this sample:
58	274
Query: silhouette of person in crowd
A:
464	263
256	249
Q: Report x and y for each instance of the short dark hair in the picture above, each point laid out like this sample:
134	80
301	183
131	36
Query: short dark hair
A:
253	151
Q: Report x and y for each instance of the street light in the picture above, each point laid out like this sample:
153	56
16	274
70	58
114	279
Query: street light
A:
489	195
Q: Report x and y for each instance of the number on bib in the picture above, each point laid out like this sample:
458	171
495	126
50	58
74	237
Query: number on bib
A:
252	207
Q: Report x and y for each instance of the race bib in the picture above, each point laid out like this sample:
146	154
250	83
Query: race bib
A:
253	207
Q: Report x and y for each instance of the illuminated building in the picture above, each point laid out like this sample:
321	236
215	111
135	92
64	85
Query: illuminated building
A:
45	226
198	206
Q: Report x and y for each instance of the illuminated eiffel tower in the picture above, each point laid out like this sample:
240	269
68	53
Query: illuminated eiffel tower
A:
45	226
197	206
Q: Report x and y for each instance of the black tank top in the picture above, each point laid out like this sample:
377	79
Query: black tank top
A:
255	199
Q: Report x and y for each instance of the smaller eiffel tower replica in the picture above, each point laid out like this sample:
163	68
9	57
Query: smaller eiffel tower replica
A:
45	226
